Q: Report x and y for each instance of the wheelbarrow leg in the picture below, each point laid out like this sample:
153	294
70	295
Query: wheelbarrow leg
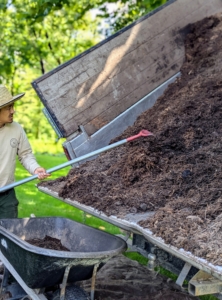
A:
64	282
4	283
94	280
65	278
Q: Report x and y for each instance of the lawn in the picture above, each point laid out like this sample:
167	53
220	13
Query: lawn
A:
32	201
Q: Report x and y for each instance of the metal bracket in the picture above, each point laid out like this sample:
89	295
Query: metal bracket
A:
183	274
151	262
84	132
204	284
64	282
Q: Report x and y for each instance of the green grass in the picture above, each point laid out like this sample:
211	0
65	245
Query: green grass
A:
48	146
32	201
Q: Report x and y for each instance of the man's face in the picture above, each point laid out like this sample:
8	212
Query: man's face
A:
6	114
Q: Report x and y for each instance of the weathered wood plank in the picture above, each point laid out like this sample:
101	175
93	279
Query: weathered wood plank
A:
99	85
131	74
105	117
92	124
132	77
113	51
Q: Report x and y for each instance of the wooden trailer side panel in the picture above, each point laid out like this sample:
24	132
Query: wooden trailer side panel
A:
101	83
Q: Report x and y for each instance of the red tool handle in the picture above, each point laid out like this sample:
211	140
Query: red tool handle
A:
141	133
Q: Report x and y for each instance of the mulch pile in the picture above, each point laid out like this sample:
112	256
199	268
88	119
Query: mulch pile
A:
125	279
177	173
48	242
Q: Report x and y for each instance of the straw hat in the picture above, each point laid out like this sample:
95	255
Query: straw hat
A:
6	98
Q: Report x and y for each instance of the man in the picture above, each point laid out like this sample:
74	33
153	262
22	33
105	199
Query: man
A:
13	142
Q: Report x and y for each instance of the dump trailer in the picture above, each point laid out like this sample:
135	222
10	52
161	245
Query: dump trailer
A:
94	97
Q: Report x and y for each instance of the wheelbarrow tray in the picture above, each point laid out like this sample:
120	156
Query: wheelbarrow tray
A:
39	267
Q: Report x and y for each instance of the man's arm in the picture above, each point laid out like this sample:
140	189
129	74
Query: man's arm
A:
27	158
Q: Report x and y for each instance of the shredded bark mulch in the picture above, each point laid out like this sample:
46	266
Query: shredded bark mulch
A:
48	242
177	173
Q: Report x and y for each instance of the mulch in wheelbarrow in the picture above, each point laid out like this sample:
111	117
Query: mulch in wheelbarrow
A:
177	173
48	242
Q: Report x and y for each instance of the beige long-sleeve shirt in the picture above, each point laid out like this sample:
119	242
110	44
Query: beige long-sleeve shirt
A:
13	142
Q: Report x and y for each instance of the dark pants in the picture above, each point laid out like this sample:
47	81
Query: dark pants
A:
8	205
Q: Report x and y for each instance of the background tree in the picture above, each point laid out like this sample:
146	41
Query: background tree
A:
31	47
126	12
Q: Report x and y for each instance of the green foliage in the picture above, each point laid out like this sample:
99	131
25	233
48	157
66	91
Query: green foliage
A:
39	10
44	146
138	257
128	11
30	49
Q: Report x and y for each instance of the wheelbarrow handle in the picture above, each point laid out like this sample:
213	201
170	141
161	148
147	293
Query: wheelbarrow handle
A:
76	160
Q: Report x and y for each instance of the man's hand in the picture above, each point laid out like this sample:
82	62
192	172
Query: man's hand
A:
41	172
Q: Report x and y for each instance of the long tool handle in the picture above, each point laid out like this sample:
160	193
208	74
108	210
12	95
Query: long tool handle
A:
76	160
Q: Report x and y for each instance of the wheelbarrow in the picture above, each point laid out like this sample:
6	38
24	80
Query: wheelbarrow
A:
37	269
